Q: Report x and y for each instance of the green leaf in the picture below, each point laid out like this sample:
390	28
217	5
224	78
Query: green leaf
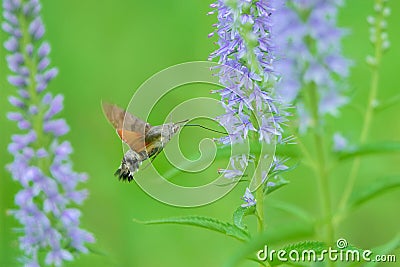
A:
289	231
240	213
305	246
97	251
205	222
388	103
311	250
385	249
278	181
370	191
368	149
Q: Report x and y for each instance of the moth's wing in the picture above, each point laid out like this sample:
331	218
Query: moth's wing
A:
121	119
135	140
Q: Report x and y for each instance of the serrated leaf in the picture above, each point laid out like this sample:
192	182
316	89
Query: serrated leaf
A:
315	246
374	189
205	222
276	234
311	250
240	213
369	149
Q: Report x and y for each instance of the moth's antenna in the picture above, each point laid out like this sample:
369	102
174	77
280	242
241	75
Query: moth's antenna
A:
201	126
204	127
182	121
170	117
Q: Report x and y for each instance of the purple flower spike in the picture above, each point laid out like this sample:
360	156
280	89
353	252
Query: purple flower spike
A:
309	43
247	56
42	162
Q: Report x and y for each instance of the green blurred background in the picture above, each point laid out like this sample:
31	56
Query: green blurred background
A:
104	51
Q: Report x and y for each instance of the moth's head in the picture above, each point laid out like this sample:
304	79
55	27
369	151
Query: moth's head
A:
168	131
175	128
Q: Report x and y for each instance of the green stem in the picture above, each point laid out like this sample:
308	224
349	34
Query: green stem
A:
36	119
308	160
252	63
31	65
321	167
261	226
321	170
373	92
258	160
260	201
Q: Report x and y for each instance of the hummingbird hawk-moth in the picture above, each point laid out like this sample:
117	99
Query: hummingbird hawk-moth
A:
145	141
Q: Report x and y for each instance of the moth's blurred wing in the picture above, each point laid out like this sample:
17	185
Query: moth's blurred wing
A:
135	140
121	119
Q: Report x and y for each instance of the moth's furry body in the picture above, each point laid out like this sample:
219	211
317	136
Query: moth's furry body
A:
145	141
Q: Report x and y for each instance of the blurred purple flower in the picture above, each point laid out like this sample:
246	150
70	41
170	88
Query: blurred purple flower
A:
378	34
308	41
41	163
340	143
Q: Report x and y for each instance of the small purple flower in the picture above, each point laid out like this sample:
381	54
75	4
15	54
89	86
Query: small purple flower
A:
57	256
41	162
249	199
309	51
238	165
278	165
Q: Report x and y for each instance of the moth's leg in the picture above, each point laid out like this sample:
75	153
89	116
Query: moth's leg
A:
152	155
155	154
